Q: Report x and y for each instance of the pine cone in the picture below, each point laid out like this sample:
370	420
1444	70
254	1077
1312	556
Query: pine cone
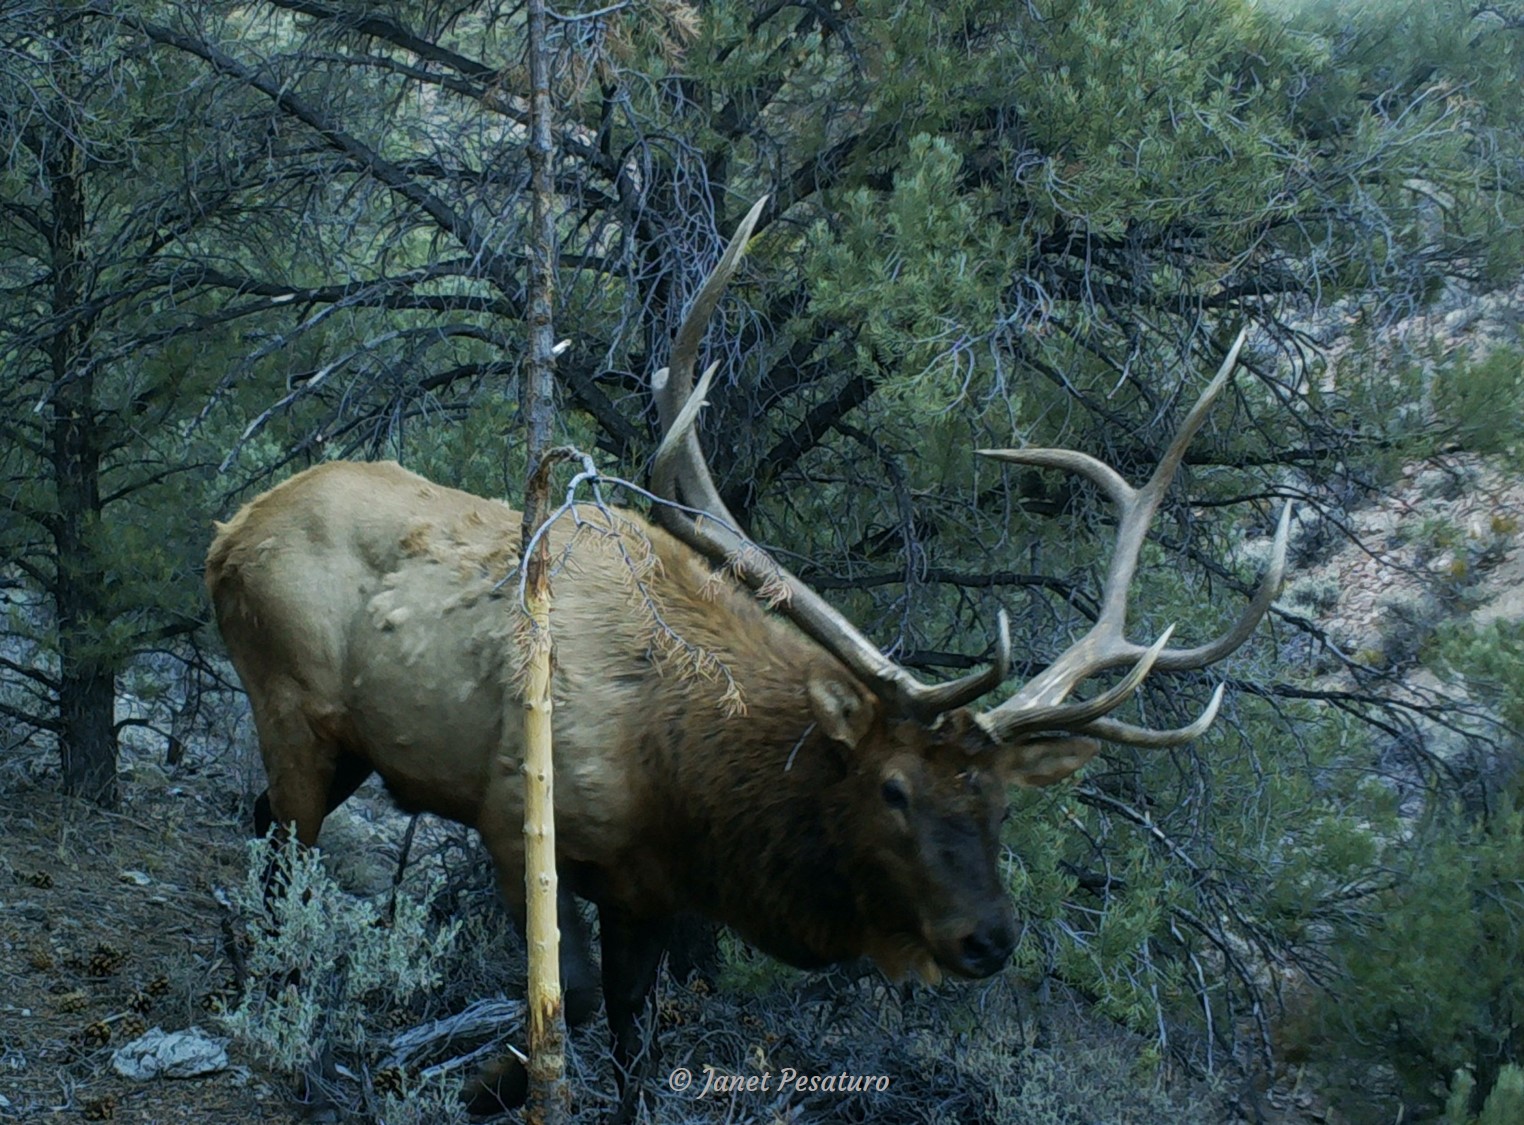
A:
97	1034
105	961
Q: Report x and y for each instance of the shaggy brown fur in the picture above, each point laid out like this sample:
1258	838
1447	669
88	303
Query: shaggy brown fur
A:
709	757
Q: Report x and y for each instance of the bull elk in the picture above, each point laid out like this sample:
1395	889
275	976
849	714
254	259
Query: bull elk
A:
835	808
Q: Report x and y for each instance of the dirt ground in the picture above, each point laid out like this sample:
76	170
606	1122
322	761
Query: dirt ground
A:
108	924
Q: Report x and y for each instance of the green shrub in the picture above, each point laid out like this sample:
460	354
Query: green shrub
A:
1385	394
323	967
1100	1084
1077	1083
1428	988
1479	402
1490	663
1505	1105
433	1103
1411	621
1123	929
1414	405
1312	594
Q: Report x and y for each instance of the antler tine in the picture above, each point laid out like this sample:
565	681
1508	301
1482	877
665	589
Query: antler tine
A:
680	470
1076	716
1135	506
1165	472
690	470
1186	659
1117	490
1113	730
666	463
1039	705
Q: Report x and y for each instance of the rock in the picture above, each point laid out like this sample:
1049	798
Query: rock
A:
1459	319
355	846
147	775
161	1054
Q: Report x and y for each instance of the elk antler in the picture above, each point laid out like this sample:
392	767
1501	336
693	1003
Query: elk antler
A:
679	469
1039	707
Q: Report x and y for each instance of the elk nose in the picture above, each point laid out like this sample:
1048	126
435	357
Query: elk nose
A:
987	949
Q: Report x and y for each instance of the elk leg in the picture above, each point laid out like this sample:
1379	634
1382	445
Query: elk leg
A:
632	950
579	979
302	765
304	770
349	774
504	1083
694	950
316	779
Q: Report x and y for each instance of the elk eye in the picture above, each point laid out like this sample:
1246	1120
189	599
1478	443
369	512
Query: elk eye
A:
895	795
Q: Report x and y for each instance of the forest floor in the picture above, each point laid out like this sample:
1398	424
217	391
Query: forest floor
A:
105	913
101	914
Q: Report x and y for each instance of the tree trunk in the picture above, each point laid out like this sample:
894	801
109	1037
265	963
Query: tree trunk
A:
548	1098
87	668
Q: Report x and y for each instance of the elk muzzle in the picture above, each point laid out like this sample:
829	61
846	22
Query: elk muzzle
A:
978	949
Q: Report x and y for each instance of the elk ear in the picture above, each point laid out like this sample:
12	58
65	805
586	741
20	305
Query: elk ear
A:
843	711
1039	763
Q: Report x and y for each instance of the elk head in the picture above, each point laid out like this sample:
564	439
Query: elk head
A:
929	771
